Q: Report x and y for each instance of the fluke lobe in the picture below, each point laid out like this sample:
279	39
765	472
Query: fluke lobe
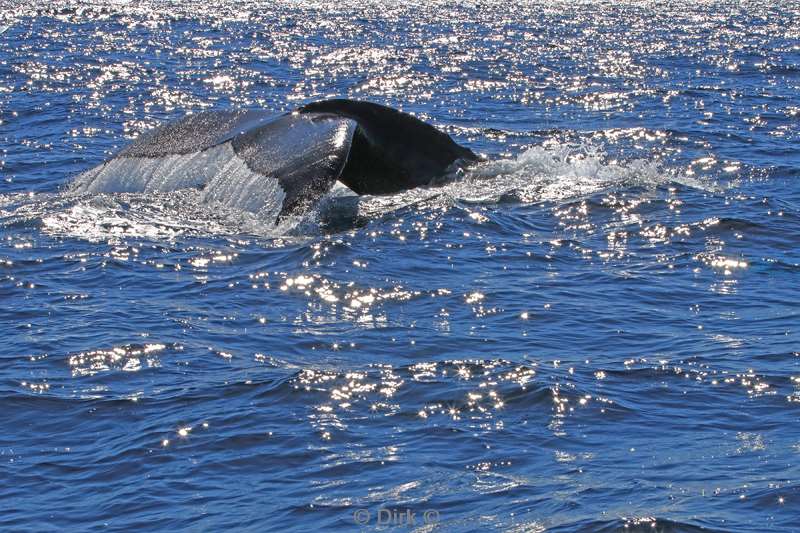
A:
281	166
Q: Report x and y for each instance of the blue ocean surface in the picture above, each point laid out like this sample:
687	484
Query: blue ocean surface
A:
596	329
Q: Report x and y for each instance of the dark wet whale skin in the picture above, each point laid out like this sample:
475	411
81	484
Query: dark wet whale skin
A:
391	151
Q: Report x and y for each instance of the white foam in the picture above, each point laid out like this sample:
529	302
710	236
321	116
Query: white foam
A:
550	172
112	218
555	171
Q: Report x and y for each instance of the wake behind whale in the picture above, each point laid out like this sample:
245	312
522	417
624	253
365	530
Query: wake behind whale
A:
282	166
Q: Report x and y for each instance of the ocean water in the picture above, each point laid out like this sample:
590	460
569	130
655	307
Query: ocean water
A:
597	329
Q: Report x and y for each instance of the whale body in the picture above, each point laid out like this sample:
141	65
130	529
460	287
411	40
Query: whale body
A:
278	166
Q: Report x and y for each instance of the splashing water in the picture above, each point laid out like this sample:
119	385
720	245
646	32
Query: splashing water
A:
551	173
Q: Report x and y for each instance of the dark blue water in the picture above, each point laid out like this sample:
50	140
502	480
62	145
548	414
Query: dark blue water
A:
596	330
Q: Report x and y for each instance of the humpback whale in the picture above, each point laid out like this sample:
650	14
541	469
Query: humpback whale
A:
279	166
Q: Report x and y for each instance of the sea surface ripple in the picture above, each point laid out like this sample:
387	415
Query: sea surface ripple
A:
597	329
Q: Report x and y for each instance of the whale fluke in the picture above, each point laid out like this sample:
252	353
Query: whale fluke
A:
280	166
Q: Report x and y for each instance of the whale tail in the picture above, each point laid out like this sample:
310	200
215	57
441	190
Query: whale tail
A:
281	166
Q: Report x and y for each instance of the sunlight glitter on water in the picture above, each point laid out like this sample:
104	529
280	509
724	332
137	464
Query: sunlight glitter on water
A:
594	329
